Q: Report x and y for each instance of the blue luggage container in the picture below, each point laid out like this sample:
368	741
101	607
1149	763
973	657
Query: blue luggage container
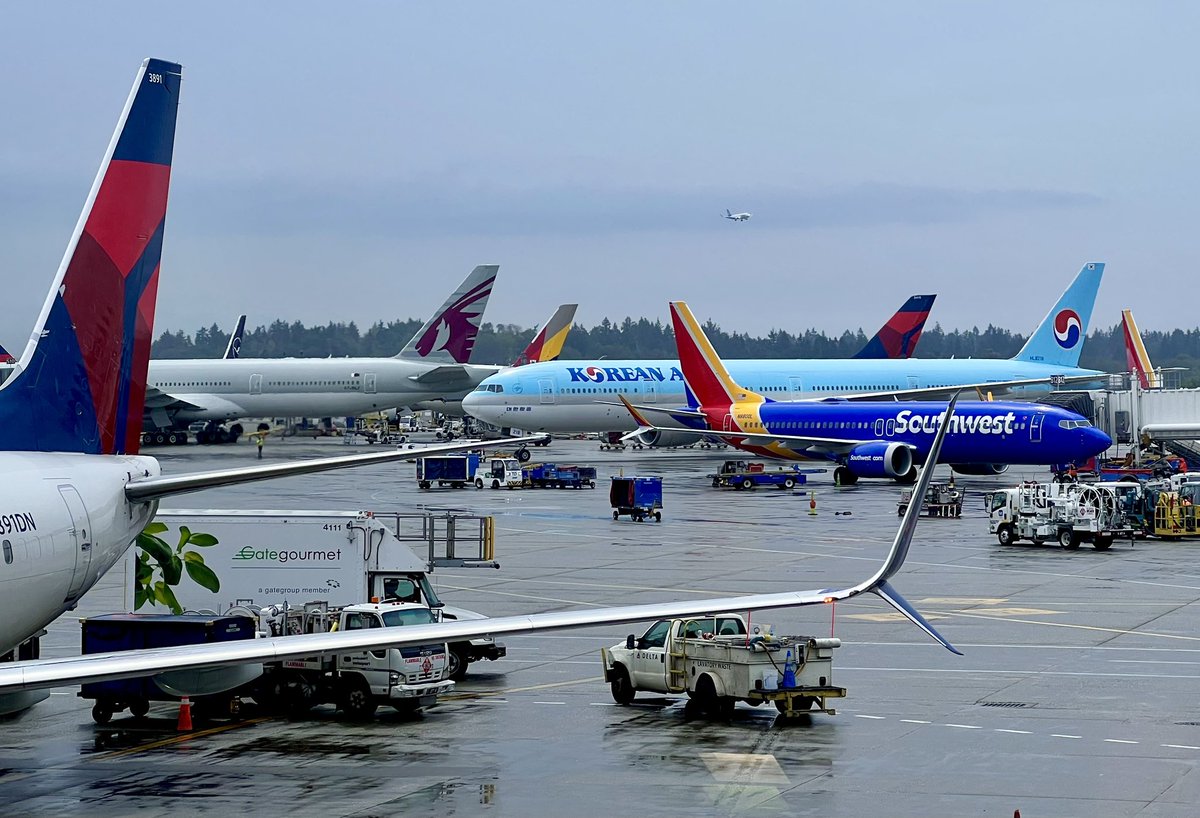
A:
639	497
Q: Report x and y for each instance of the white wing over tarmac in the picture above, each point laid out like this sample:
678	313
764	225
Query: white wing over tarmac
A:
46	673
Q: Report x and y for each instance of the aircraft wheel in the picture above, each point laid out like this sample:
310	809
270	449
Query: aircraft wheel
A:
523	455
139	707
909	477
843	476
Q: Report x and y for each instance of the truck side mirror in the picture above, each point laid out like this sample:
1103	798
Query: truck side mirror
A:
629	641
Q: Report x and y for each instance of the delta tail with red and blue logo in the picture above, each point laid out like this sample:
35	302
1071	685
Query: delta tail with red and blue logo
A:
80	384
899	336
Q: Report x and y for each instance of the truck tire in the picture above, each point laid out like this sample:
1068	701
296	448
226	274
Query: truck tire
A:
747	483
357	701
102	712
620	686
716	483
495	484
1068	539
708	700
139	707
457	662
1102	543
658	516
788	484
478	482
1006	535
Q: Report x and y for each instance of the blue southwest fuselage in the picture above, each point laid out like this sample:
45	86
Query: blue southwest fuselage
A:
863	435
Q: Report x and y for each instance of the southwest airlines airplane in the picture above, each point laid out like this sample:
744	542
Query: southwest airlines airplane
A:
582	396
873	438
76	493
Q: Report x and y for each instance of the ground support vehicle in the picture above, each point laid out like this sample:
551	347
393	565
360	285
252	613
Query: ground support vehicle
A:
499	472
739	474
638	497
611	441
205	432
268	561
114	632
1068	513
406	679
941	500
454	470
1169	507
550	475
718	662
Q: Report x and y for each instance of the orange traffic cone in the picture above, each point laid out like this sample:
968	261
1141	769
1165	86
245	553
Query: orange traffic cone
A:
185	715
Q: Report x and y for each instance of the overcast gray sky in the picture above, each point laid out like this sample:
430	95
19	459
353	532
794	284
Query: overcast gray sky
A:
353	161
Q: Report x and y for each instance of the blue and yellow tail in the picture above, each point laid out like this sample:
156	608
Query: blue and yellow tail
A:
1059	338
80	384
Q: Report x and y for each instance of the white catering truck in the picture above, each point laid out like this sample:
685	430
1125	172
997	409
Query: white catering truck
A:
289	559
718	662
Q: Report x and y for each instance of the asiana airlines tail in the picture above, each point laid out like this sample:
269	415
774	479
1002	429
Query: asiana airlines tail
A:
584	396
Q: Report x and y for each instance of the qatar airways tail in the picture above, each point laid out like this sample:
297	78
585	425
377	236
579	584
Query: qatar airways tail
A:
449	336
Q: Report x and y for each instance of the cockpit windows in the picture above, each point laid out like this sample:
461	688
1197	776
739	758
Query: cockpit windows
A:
1074	424
490	387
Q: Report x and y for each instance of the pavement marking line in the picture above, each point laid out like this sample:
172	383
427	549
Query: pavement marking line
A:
1121	741
1019	671
745	768
182	737
549	702
1119	631
863	716
1180	746
483	695
964	726
1018	732
602	704
1061	735
915	721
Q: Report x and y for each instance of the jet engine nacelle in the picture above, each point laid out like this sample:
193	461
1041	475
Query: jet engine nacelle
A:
666	439
980	469
880	460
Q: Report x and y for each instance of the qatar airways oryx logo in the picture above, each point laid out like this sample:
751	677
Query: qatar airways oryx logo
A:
621	374
909	421
454	330
1067	328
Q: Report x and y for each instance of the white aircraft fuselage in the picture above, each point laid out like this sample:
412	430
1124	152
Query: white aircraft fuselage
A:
65	521
225	389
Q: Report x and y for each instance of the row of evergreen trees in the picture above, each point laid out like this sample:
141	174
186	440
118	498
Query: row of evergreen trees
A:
642	338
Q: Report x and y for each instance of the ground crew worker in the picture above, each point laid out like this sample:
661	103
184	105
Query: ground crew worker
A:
259	440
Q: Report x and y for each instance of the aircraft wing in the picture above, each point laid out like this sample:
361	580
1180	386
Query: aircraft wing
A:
444	374
155	488
982	387
46	673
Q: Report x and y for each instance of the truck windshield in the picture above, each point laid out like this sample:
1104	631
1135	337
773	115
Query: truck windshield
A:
409	616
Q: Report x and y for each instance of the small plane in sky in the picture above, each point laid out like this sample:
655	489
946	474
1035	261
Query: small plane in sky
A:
737	217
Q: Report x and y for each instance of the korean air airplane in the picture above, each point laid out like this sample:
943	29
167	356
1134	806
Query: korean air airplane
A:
867	438
583	396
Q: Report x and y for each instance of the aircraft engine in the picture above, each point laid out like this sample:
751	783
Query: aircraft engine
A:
880	460
985	469
666	439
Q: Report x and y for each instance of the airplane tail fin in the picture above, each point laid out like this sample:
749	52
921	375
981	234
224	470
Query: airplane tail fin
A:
1135	353
899	336
1059	338
6	357
449	336
547	345
703	370
234	349
80	384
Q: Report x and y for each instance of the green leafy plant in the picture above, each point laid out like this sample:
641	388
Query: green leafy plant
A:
160	566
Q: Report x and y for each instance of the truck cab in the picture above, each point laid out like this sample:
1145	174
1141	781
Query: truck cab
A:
499	472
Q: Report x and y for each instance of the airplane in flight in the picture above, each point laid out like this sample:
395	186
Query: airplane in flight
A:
737	217
234	348
28	677
582	396
874	438
77	493
432	370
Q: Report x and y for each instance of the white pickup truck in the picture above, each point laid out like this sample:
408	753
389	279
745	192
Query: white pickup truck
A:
718	662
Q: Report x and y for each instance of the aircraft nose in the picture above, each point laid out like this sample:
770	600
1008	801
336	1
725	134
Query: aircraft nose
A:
477	404
1095	441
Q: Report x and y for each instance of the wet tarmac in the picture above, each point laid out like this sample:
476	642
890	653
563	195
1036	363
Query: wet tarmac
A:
1076	694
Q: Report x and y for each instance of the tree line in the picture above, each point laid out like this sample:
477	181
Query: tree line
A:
642	338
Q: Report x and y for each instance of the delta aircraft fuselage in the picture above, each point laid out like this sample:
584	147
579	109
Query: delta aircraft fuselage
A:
225	389
582	396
